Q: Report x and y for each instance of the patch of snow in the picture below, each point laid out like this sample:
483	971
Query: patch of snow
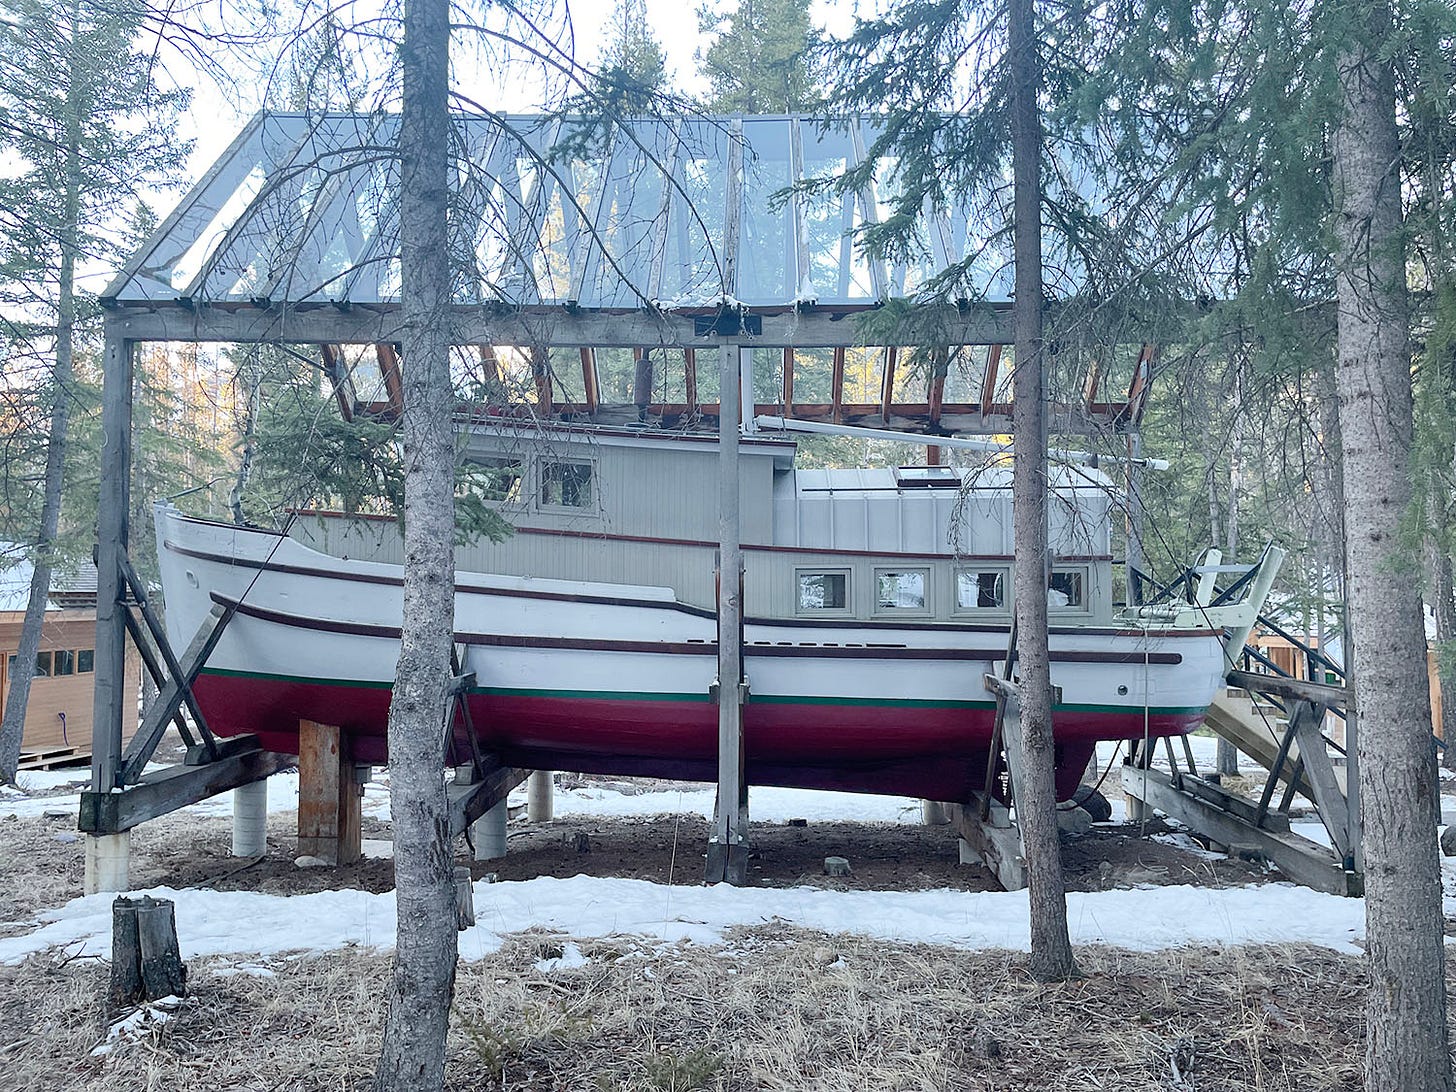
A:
1188	844
251	923
137	1023
765	804
570	959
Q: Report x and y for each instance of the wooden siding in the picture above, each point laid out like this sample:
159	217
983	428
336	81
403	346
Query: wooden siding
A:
71	695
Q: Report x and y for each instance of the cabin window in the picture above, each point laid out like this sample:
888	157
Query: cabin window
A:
85	661
63	662
567	485
982	588
899	590
823	590
42	665
1067	589
496	479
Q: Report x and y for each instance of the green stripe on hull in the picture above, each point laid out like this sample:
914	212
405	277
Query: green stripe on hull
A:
754	699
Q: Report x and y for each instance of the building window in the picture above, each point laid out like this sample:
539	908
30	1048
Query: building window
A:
42	665
1067	589
823	590
495	479
64	662
567	485
982	589
901	590
85	661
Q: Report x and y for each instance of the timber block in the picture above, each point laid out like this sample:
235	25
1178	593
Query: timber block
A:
330	796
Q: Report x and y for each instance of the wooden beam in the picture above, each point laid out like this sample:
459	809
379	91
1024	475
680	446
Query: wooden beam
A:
329	795
690	381
338	380
588	378
541	375
388	359
823	326
988	379
470	800
788	381
162	792
836	387
887	381
995	840
1300	689
939	368
1302	860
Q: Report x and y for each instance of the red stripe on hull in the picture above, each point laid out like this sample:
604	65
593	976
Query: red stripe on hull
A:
938	753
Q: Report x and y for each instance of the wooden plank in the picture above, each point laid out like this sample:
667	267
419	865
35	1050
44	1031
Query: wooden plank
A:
113	509
836	387
1320	773
162	792
788	381
1233	802
1302	860
994	840
690	381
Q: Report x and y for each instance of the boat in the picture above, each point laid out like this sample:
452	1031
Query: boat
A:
876	600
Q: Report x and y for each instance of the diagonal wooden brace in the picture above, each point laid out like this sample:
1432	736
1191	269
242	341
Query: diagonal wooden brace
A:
177	689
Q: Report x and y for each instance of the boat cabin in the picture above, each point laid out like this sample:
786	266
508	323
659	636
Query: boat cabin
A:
915	543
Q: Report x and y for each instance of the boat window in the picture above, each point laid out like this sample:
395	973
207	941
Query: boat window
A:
823	590
495	479
64	662
85	661
1067	589
982	589
901	589
567	485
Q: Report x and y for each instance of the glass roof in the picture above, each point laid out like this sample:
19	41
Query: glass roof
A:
669	213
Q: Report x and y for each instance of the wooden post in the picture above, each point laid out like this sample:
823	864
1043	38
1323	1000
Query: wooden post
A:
728	848
330	796
107	855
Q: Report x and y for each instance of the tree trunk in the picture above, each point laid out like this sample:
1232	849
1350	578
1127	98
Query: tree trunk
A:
413	1053
1406	1042
249	422
12	728
1036	796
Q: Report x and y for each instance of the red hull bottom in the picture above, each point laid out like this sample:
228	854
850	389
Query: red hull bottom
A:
926	751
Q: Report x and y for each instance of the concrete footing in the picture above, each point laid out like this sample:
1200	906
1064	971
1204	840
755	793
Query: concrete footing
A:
108	862
933	813
250	820
489	834
540	806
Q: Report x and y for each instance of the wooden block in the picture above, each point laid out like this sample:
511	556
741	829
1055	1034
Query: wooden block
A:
163	973
321	790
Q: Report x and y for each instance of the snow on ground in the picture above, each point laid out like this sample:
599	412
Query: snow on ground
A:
765	804
211	923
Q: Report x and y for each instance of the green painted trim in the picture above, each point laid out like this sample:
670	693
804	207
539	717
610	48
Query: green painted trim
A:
703	698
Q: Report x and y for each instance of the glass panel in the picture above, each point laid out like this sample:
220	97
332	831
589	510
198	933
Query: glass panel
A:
64	662
980	589
900	590
823	591
567	485
42	665
1066	589
85	661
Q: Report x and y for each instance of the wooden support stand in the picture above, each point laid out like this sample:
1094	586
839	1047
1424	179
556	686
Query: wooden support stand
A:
994	840
330	796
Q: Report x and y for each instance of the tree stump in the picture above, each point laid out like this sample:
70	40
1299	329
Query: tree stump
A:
146	962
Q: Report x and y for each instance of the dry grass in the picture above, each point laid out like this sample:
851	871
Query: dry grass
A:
777	1008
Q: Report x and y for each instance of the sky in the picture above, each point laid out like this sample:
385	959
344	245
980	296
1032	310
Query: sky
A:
216	116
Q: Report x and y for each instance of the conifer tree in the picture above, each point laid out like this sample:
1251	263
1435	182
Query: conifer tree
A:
81	118
761	60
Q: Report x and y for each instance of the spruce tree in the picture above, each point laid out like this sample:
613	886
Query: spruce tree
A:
761	58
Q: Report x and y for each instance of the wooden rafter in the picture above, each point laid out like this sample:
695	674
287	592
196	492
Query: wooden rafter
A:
589	378
343	386
836	387
887	382
388	358
988	379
